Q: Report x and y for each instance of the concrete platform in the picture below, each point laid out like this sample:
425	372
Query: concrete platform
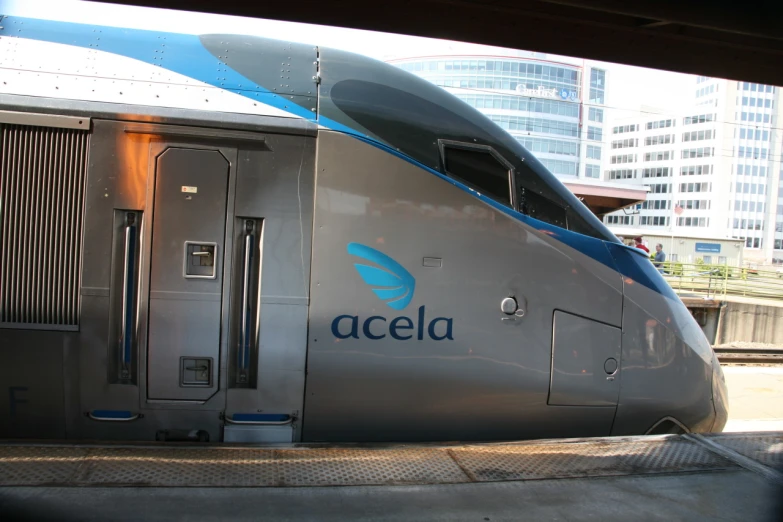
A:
755	398
721	477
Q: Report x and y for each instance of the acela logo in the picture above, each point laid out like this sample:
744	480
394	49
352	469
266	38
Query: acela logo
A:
398	283
395	286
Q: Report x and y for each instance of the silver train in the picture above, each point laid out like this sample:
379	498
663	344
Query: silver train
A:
230	238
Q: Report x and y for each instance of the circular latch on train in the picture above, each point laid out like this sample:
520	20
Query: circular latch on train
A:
508	306
610	366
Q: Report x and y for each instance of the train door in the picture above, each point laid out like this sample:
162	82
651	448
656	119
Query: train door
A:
188	232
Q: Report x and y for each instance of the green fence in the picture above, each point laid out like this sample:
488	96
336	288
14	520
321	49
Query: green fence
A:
722	280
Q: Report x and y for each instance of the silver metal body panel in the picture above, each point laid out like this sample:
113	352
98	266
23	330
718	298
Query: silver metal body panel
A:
491	380
585	362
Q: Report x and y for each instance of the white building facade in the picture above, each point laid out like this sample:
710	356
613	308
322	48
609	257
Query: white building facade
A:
719	161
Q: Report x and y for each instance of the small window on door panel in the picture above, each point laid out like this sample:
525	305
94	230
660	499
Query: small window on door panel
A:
481	170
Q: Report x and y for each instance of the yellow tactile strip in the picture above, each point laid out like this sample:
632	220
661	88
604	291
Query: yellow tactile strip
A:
222	466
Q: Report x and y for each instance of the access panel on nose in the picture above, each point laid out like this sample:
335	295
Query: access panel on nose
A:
186	274
585	363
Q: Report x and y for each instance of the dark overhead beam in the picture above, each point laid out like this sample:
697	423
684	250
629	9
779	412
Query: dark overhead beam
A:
733	40
657	23
751	18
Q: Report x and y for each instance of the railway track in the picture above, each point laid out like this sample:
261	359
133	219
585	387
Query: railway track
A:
749	355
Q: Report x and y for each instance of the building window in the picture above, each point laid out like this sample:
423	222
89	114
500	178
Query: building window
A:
659	156
568	168
592	171
702	152
619	220
525	124
701	118
623	158
625	128
695	187
659	124
657	204
623	174
594	152
595	133
595	114
693	222
654	221
697	135
659	172
597	85
695	204
520	103
549	146
625	144
696	170
660	188
659	140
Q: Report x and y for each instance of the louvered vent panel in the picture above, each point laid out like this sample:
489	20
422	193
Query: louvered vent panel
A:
41	217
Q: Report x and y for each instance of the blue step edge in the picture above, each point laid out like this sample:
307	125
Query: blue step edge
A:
112	414
260	417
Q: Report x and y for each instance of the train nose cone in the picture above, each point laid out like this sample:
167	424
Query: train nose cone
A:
668	364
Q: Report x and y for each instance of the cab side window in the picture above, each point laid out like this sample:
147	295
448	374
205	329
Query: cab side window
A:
481	170
534	204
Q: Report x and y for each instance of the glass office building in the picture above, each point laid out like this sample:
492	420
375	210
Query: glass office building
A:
555	109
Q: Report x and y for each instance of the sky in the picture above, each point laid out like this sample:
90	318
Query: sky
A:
628	88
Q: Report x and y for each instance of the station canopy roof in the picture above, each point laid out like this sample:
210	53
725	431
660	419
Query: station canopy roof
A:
718	38
602	198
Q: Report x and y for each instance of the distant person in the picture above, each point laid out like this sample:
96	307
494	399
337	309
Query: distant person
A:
640	245
660	257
